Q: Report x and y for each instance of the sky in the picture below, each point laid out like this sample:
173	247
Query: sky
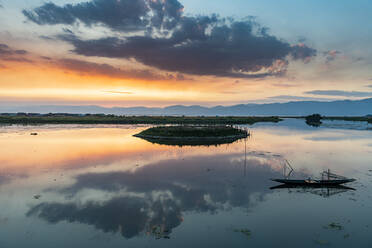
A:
166	52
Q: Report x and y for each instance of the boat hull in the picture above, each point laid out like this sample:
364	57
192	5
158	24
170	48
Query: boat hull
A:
316	186
314	182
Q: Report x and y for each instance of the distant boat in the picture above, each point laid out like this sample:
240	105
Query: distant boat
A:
327	179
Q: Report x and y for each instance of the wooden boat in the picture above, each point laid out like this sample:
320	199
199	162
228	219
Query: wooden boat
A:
314	181
327	179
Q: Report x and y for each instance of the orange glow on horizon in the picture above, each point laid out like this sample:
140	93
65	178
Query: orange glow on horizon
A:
46	82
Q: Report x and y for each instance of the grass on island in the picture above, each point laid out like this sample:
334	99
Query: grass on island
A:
193	131
193	135
32	119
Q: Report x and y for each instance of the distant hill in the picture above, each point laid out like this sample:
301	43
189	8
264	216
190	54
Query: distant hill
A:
335	108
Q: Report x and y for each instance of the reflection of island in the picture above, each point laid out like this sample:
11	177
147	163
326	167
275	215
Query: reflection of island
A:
154	198
192	141
193	135
324	191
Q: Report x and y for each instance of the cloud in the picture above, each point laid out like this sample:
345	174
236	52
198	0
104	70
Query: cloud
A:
9	54
302	52
340	93
5	50
121	15
298	98
227	51
15	59
91	68
170	41
46	58
284	85
331	55
119	92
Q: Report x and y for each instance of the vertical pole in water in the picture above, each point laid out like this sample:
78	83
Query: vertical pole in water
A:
245	156
329	172
285	171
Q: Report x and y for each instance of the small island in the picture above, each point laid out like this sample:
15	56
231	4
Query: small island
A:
189	135
314	120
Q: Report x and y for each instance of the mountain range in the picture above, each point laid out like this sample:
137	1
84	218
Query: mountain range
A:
298	108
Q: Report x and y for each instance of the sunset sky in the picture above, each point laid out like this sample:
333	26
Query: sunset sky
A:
166	52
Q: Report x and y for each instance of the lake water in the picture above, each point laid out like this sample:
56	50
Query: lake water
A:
98	186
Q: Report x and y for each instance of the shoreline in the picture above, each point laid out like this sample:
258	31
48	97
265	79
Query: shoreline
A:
112	119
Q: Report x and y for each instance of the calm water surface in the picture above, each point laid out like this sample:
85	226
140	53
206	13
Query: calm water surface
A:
97	186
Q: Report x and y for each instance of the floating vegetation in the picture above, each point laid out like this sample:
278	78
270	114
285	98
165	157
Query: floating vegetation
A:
346	236
159	232
37	197
244	231
322	242
334	226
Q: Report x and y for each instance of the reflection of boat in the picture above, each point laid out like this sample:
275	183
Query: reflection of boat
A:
327	179
324	191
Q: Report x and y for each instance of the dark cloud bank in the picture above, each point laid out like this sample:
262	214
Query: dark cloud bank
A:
157	34
92	68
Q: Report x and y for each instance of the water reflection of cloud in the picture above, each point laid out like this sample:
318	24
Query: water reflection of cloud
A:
128	215
339	137
69	148
160	193
294	127
8	178
4	179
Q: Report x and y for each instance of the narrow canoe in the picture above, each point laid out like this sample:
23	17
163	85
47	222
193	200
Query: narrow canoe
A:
314	182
